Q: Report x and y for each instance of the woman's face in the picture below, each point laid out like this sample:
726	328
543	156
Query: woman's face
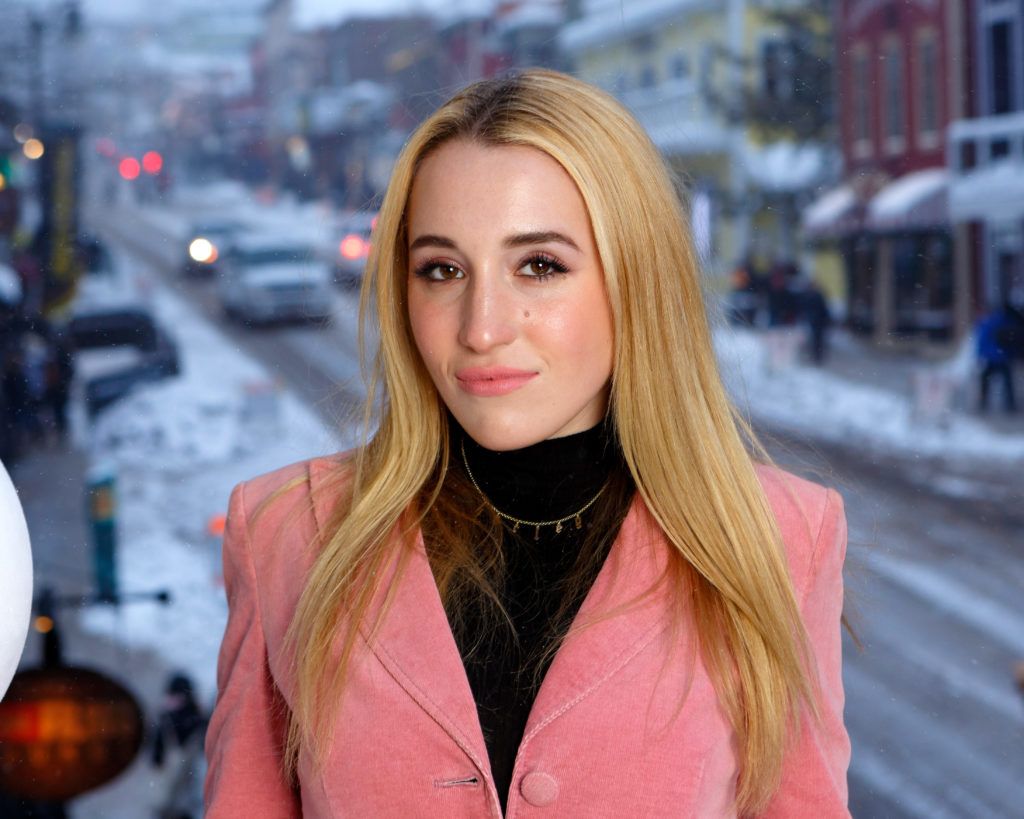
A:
506	294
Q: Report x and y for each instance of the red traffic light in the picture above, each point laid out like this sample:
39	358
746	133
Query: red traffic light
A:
129	168
152	162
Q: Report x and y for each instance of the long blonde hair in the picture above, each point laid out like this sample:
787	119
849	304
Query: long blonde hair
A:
690	454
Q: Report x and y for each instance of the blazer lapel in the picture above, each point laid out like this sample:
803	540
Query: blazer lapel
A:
635	563
415	643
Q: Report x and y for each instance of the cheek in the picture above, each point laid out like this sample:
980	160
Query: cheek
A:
429	329
580	334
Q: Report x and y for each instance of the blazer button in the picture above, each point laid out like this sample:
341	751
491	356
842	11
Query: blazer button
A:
539	789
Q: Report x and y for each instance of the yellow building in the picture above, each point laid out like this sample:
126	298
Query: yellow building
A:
682	67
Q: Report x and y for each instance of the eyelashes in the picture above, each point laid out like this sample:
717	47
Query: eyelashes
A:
441	271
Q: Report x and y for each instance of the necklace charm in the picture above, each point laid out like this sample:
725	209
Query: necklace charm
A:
576	516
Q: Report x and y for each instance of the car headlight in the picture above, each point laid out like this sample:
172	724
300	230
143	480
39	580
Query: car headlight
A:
202	250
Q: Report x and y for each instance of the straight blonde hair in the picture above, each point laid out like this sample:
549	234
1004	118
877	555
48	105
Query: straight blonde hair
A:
690	454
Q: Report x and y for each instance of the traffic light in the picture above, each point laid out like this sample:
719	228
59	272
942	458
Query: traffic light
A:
129	168
152	162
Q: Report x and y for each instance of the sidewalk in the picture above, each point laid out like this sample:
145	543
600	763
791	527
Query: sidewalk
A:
859	361
894	409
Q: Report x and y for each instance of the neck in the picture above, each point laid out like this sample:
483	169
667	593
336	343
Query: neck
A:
547	480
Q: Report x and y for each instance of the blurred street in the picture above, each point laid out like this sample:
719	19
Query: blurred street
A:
933	578
188	195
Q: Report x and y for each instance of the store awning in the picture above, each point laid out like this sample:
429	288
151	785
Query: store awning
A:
915	201
994	193
833	214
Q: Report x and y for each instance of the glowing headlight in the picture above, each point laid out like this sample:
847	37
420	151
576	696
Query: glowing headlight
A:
203	251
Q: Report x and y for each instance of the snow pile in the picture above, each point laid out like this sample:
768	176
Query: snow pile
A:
815	403
177	448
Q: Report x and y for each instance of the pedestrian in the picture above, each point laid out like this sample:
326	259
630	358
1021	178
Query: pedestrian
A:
60	370
554	575
994	356
818	318
178	749
745	299
17	404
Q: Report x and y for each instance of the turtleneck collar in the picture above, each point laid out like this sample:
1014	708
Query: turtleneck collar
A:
546	480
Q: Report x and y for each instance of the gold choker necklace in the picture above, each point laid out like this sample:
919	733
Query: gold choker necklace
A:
536	524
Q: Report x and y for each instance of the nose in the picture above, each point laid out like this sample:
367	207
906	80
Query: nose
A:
487	319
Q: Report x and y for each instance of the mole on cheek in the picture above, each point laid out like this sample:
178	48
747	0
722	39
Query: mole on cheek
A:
526	313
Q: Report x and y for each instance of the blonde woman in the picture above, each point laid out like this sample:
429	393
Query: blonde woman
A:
556	580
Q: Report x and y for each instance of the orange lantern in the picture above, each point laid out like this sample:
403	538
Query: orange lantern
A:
65	731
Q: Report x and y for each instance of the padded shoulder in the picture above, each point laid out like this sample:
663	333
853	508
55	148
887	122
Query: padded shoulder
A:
805	513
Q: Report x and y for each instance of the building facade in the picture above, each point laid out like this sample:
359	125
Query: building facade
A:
986	157
899	80
682	69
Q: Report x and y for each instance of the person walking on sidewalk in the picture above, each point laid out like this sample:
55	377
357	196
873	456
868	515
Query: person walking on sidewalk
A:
994	348
178	749
60	370
815	313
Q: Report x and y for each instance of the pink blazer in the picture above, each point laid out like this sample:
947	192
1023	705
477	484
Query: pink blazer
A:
605	737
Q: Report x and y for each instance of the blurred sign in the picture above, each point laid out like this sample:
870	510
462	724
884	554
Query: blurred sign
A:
58	234
65	731
934	391
782	345
101	486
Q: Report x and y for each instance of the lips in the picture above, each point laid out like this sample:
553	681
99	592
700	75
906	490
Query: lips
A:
492	381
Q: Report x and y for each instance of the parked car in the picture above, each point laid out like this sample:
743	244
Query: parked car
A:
266	277
205	243
153	353
353	248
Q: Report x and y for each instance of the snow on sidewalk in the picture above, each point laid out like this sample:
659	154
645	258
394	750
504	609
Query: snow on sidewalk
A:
818	404
177	448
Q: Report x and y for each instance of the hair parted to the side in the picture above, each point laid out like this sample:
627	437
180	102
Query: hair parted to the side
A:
690	454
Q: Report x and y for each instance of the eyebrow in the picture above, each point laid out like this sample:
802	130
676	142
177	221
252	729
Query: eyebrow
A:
536	237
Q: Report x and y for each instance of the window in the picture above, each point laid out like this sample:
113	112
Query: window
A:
998	148
861	99
679	67
1000	61
893	102
927	89
777	69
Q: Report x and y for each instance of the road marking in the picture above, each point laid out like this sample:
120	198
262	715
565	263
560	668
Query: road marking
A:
954	598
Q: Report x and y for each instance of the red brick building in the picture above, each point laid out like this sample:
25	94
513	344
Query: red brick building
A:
902	77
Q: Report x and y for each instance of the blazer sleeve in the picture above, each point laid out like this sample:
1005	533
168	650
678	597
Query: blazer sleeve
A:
245	738
813	782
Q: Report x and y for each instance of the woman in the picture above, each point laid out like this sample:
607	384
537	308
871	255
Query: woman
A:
554	577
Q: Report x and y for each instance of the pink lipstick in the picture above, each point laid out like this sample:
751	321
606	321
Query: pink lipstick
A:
491	381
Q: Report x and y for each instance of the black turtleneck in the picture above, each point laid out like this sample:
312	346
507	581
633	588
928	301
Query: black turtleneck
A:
543	482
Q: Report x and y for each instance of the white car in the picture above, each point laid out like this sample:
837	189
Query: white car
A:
206	241
266	278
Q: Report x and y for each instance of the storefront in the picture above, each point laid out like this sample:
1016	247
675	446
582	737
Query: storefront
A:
896	245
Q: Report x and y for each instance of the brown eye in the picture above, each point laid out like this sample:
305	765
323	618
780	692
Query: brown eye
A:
541	267
436	272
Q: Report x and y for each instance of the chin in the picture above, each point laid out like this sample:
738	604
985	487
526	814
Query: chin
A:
502	434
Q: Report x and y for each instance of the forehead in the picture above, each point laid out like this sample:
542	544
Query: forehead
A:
469	185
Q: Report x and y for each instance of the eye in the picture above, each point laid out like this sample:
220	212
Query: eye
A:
542	266
439	271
